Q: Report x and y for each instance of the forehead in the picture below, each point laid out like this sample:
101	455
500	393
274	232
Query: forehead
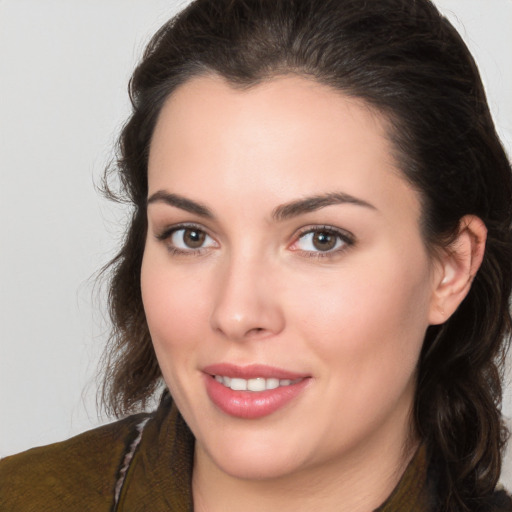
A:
277	104
281	138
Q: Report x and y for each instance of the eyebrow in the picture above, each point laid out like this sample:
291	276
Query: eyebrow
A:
280	213
180	202
313	203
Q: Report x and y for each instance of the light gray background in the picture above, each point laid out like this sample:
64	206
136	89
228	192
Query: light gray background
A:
64	68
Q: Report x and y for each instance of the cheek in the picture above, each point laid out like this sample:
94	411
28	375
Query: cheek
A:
173	302
366	322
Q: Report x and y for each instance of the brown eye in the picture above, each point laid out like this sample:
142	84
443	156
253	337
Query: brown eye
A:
193	238
189	239
324	241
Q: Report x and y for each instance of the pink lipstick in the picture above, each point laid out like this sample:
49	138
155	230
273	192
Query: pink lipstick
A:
253	391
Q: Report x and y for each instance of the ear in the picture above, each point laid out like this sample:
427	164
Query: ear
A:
456	267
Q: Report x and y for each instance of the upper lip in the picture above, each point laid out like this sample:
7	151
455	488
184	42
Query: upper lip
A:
251	371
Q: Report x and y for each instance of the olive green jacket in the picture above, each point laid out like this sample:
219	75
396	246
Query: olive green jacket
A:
141	463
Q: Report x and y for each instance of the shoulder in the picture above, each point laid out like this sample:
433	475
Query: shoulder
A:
77	474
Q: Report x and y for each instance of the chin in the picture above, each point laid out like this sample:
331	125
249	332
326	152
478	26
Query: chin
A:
263	469
256	462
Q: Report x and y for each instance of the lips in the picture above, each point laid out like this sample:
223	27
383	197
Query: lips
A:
253	391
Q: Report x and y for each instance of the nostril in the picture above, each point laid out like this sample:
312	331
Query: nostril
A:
255	330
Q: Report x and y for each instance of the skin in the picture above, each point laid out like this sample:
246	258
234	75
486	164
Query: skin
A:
256	290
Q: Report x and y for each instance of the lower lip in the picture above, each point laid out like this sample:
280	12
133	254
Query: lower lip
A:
251	404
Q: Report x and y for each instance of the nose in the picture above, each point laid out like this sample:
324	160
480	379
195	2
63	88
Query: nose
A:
246	304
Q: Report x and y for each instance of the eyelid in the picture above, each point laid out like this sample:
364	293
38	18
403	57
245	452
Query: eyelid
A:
166	234
345	236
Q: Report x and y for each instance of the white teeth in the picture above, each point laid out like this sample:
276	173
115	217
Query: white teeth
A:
255	385
238	384
223	380
272	383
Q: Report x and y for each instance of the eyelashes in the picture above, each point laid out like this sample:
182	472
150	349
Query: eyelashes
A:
310	241
187	240
322	241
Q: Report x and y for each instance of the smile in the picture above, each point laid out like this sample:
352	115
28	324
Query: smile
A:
257	384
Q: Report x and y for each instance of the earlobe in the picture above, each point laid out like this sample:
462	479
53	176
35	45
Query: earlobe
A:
456	268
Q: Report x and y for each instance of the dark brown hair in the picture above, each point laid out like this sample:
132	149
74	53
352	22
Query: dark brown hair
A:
408	63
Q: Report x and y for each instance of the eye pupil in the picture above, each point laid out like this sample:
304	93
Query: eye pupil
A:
324	241
193	238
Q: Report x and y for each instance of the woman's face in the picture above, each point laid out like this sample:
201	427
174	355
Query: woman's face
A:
284	255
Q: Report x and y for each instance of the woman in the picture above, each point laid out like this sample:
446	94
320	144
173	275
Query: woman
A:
318	267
